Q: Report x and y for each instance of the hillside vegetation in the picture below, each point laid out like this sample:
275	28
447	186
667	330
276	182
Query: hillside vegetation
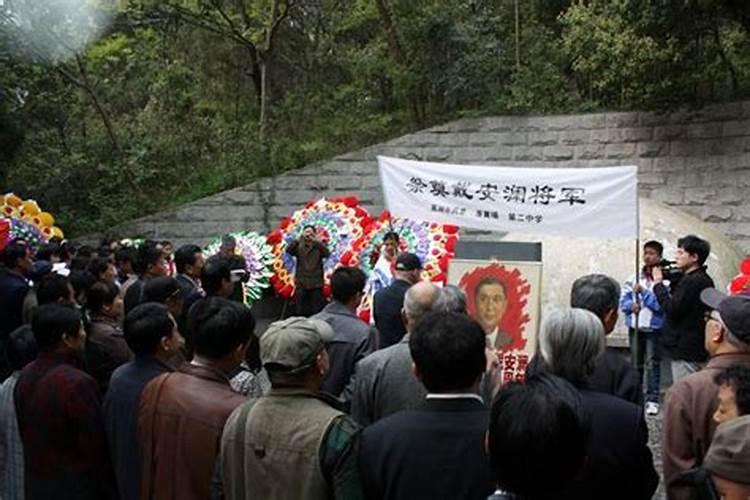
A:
179	99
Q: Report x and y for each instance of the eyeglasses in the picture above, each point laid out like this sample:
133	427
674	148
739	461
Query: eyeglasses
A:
709	315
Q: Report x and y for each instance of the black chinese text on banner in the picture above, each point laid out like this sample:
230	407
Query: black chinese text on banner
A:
595	202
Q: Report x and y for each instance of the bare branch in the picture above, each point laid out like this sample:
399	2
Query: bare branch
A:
189	17
217	6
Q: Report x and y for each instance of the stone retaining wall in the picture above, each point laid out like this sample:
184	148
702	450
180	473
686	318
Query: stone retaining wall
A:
694	160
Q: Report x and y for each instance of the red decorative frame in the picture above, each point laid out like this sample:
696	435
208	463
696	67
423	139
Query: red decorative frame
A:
518	291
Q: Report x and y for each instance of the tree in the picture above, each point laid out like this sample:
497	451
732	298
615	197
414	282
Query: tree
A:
252	24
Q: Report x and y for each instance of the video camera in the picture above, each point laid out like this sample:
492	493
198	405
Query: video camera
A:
239	275
670	270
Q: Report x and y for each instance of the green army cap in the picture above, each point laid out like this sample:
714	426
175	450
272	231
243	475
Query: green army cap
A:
291	345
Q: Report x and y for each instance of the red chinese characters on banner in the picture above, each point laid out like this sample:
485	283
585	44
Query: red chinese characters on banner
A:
513	366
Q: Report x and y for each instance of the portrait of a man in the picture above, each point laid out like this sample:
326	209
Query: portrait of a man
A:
503	297
491	302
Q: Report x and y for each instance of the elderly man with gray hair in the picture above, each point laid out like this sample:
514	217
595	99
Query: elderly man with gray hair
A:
613	374
619	465
451	299
383	382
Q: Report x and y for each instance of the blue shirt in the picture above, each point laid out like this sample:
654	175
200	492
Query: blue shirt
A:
121	420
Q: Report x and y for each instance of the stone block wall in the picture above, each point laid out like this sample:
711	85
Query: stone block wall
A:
694	160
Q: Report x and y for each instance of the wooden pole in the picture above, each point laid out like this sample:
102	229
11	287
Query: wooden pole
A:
636	300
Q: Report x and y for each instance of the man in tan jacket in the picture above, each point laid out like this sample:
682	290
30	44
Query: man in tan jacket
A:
293	443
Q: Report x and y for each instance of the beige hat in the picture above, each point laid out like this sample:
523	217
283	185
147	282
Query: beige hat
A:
291	345
729	454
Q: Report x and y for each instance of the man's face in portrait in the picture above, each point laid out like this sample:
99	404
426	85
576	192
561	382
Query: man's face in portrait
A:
491	302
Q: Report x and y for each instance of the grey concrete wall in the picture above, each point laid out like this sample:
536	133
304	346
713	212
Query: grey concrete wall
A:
694	160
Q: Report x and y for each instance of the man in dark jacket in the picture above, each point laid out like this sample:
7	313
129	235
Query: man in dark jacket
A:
59	414
150	264
16	260
619	464
151	333
612	374
389	302
683	333
552	435
189	261
237	264
311	253
436	451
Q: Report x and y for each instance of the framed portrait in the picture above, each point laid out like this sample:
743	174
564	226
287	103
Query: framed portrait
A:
504	297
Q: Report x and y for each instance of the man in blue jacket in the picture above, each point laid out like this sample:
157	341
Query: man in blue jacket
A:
638	301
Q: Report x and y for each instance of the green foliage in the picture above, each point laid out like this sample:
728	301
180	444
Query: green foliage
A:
165	107
607	50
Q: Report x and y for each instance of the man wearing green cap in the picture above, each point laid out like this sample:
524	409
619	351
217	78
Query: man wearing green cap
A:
293	443
728	459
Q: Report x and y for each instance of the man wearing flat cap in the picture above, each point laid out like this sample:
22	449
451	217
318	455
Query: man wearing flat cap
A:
293	442
728	459
691	401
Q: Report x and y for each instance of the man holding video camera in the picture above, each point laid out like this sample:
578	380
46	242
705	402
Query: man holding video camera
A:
311	253
237	266
683	336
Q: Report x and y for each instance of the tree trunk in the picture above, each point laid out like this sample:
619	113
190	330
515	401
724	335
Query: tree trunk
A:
262	120
255	74
264	59
86	86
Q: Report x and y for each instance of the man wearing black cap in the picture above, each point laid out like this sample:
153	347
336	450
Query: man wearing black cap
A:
293	442
388	302
690	403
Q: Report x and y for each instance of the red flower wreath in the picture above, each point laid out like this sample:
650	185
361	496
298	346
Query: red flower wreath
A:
740	284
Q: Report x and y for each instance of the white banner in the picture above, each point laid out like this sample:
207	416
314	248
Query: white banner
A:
598	202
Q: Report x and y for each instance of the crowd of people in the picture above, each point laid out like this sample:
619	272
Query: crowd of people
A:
139	374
